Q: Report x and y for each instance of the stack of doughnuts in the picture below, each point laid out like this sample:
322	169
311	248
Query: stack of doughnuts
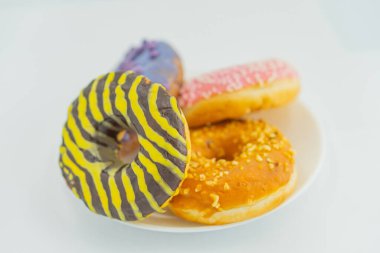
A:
141	138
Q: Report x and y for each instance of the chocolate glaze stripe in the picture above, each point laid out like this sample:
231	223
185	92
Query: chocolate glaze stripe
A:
78	188
104	177
159	158
141	181
119	116
138	112
152	169
120	103
174	104
174	113
87	122
115	196
160	120
159	194
170	178
87	198
94	172
107	105
125	206
98	91
130	193
93	101
141	201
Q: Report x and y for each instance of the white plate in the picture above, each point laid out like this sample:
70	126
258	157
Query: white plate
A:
299	125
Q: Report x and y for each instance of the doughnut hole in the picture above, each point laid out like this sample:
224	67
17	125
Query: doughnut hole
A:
218	147
128	145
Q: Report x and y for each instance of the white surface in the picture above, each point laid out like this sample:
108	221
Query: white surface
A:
48	51
295	121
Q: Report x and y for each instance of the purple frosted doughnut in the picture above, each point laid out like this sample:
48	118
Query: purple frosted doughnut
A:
158	61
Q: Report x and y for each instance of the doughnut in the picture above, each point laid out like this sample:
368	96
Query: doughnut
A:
233	92
238	170
89	158
158	61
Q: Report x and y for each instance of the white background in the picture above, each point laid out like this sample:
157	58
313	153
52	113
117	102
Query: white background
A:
50	50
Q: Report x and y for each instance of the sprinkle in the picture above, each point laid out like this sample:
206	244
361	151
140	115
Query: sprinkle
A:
226	186
202	177
259	158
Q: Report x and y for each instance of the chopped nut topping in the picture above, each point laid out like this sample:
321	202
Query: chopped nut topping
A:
267	148
215	199
186	191
211	182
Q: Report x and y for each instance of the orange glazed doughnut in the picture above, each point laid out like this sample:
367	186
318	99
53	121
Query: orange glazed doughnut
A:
233	92
238	170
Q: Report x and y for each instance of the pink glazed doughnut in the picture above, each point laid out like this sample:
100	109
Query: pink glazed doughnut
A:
233	92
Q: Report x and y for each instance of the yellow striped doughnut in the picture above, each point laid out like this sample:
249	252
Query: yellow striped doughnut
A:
88	154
